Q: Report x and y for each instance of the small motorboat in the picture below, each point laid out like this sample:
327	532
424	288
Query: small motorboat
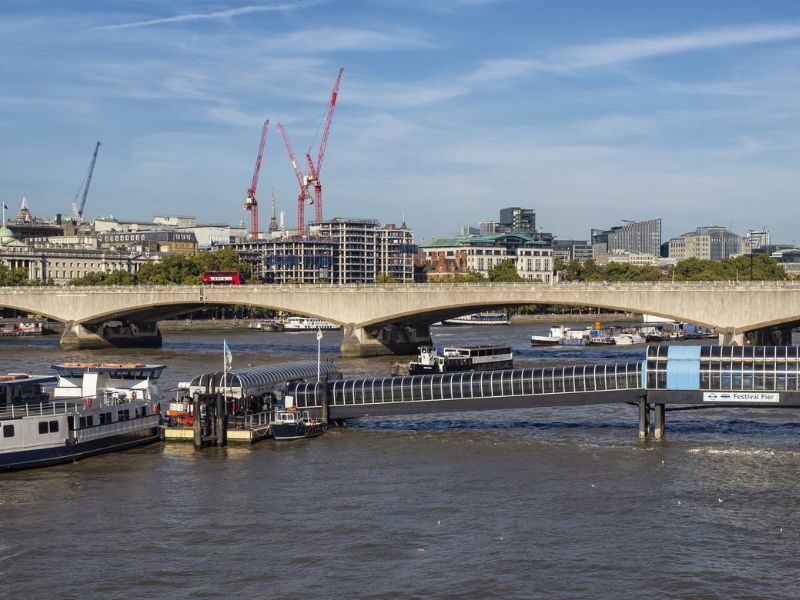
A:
291	424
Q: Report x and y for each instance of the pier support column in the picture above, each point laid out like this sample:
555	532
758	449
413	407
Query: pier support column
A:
325	400
730	338
644	419
197	425
660	422
395	338
111	334
221	424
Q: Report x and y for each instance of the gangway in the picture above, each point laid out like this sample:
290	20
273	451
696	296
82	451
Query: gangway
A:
677	375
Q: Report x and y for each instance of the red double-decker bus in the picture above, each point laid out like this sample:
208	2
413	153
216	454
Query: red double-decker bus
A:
222	278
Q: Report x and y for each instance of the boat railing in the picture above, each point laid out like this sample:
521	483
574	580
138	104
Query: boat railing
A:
252	421
118	427
36	409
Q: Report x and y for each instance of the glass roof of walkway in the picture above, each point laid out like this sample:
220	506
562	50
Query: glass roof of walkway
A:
253	378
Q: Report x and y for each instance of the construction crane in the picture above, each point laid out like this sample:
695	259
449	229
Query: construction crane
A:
315	170
251	204
302	182
77	211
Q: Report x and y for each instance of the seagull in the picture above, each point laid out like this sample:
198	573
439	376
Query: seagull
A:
719	499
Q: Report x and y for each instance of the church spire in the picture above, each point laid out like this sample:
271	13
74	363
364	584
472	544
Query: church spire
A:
273	223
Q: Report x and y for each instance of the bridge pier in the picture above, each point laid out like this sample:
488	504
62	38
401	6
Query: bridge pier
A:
360	342
731	338
111	334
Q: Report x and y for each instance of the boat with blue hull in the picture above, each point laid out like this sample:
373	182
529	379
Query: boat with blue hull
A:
93	409
291	424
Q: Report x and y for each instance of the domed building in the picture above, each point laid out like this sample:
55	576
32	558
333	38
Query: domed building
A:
44	261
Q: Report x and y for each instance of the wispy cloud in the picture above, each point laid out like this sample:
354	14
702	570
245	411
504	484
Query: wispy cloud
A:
210	16
331	39
625	50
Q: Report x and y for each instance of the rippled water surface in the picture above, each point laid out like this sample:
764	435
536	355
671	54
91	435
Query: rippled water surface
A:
537	503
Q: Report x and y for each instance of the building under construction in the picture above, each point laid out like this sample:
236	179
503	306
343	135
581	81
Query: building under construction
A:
335	251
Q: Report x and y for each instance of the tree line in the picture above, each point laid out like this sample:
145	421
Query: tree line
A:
177	269
173	269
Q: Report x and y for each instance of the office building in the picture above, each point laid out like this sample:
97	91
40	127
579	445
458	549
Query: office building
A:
643	237
518	220
335	251
708	243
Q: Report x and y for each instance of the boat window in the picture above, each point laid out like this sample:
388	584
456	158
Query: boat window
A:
53	426
90	421
43	427
8	431
71	423
83	422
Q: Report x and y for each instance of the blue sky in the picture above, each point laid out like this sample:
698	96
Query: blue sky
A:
589	112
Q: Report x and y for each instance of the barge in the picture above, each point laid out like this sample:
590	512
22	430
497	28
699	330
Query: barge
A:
467	358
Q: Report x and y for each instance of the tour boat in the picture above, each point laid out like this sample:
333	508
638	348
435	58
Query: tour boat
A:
307	324
291	424
481	318
94	408
469	358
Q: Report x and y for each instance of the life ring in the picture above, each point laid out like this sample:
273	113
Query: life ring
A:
133	395
156	408
88	403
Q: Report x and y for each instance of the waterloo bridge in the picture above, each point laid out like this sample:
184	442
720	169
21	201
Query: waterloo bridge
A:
395	318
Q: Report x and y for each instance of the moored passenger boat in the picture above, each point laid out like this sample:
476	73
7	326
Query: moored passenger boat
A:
492	317
94	408
468	358
307	324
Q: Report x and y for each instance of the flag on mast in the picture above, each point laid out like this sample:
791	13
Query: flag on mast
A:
228	355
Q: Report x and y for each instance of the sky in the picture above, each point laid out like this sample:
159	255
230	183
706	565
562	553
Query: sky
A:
449	110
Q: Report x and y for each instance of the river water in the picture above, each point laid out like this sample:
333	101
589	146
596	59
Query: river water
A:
536	503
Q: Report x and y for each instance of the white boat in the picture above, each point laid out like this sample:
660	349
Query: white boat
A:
553	338
481	318
307	324
628	339
94	408
469	358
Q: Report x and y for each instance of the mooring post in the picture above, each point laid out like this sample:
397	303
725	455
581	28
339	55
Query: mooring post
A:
660	422
325	399
222	430
644	418
196	423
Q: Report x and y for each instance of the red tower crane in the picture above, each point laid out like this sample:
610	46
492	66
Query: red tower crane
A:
314	171
302	182
251	204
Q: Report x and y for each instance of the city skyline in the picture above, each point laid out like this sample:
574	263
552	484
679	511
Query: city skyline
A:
448	114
